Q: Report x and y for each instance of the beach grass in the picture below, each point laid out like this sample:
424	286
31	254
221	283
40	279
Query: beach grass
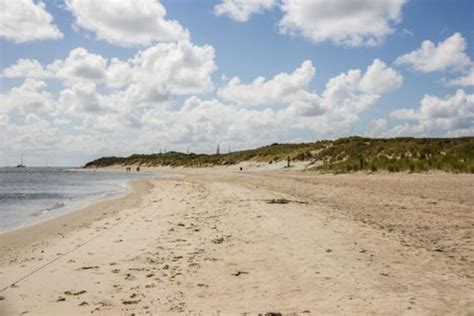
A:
336	156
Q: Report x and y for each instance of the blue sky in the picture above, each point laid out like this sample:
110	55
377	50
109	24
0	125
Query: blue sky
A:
174	87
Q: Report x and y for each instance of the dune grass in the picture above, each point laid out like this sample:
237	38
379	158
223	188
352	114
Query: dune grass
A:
339	156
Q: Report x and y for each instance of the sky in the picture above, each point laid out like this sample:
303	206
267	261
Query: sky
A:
82	79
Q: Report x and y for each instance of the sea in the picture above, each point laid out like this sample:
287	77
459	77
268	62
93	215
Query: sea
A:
31	195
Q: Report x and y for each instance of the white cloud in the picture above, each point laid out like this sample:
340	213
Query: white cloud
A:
344	22
127	23
376	128
156	73
452	114
241	10
283	88
30	96
447	55
348	93
201	122
34	133
118	73
81	98
353	92
4	119
145	113
26	68
379	79
344	96
465	81
80	65
24	20
171	69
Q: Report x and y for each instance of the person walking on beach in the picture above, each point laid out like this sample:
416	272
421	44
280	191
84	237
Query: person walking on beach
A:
138	169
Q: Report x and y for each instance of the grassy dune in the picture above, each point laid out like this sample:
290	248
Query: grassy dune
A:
339	156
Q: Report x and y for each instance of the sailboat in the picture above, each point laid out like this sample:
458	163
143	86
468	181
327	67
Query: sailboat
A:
21	165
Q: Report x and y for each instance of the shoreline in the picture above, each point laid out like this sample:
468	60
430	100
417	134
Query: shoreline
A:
74	218
74	206
124	187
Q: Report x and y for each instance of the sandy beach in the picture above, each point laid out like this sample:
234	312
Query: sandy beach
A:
220	241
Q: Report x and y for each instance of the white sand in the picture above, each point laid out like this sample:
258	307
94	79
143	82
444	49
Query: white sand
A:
209	242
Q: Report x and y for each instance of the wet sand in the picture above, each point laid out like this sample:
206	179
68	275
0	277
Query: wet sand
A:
220	241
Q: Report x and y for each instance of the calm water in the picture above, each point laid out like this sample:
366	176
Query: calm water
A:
29	195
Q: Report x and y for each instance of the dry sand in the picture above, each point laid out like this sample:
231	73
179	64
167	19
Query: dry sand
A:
211	241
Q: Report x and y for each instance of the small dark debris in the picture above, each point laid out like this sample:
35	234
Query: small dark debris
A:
88	268
131	302
61	299
75	293
328	250
84	303
218	240
284	201
239	273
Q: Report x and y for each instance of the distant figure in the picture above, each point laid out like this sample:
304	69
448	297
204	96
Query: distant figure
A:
288	162
241	168
138	169
128	169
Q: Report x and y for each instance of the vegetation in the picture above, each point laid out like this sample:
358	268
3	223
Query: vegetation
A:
339	156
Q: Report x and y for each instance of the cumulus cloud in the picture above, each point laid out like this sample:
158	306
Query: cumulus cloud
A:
158	72
127	23
345	97
4	119
465	81
200	122
454	114
25	21
380	79
30	96
34	133
26	68
348	93
172	68
80	65
147	108
429	57
376	128
81	98
345	22
283	88
241	10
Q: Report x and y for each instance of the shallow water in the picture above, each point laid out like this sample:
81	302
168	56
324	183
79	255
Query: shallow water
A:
29	195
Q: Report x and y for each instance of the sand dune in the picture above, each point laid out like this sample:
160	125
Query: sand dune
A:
229	242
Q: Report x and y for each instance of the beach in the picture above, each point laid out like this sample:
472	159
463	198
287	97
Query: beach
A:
224	241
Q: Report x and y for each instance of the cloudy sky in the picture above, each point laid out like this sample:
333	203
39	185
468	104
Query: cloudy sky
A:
82	79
